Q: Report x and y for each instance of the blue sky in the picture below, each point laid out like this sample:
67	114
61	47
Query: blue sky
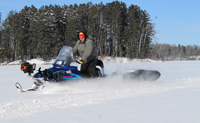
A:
176	21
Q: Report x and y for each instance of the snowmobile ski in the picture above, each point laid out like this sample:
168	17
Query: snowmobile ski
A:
34	88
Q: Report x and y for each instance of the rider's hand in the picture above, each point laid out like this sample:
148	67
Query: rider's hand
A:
80	61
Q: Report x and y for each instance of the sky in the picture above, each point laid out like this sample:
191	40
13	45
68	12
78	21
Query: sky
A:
176	21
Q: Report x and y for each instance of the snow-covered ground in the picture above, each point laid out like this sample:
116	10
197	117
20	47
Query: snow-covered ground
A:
173	98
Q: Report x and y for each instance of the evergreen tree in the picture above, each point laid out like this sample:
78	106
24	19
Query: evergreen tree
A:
71	32
115	29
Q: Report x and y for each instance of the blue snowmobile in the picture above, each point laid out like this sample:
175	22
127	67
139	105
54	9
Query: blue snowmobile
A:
65	69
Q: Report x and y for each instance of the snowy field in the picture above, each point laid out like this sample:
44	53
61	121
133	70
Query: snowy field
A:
173	98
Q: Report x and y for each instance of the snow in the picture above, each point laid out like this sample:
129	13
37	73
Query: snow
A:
173	98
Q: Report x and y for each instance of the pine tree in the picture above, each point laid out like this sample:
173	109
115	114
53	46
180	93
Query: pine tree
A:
116	21
115	29
71	32
9	37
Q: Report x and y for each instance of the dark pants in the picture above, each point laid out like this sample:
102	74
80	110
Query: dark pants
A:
88	69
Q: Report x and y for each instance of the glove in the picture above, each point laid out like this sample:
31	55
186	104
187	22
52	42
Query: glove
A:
80	61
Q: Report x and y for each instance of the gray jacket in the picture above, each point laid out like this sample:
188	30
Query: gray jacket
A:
86	50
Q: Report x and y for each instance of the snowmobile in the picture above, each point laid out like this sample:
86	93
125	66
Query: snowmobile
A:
65	68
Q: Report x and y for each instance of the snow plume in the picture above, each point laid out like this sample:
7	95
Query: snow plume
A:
83	86
102	88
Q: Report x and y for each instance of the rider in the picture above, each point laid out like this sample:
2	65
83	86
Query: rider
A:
86	49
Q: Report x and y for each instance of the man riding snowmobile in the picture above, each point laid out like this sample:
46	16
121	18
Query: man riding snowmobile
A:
86	49
64	68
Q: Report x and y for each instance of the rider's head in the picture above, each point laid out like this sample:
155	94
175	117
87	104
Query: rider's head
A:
81	36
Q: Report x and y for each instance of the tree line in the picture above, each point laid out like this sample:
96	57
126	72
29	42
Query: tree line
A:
169	52
116	29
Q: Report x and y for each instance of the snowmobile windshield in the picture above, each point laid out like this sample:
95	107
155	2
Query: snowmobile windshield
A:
65	57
